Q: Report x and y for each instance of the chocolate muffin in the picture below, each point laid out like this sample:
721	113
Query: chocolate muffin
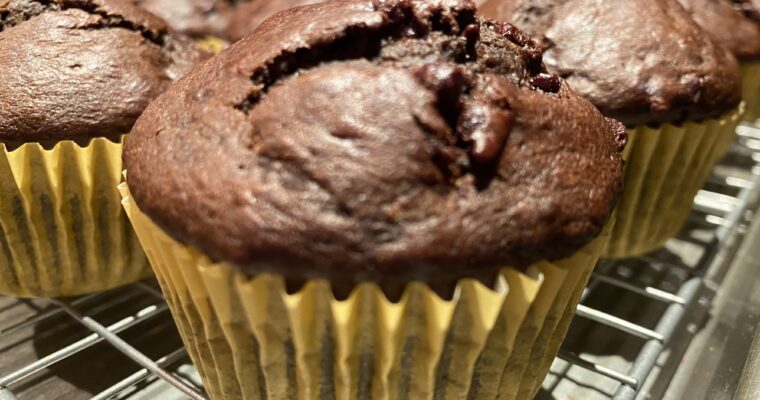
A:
735	25
675	73
74	76
198	18
448	188
716	16
389	151
674	88
78	70
250	15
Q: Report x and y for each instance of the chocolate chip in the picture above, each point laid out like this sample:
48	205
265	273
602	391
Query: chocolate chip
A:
514	35
400	18
455	50
396	14
547	83
472	34
447	81
486	127
620	134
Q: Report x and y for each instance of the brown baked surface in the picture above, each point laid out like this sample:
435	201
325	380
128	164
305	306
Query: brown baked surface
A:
77	69
638	61
392	141
733	24
250	15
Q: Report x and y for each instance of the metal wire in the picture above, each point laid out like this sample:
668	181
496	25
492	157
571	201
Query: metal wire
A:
652	293
575	359
725	207
618	323
139	376
80	345
725	211
129	351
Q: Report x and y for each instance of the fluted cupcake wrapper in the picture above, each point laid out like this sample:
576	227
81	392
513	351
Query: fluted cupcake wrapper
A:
212	44
63	231
250	339
665	168
751	90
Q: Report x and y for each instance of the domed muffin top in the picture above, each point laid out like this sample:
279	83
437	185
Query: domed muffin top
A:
195	17
638	61
76	69
733	24
252	14
359	140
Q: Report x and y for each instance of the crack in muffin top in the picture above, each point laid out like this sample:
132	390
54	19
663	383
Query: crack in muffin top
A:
77	69
377	140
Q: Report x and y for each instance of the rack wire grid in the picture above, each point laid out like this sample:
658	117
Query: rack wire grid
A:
123	344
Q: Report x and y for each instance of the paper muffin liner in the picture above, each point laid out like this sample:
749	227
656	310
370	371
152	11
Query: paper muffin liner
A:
212	44
751	90
250	339
665	168
63	231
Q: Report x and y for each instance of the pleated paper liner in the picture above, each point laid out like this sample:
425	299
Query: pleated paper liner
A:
751	90
252	340
63	231
665	168
212	44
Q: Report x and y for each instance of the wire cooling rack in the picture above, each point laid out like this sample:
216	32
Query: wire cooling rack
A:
123	344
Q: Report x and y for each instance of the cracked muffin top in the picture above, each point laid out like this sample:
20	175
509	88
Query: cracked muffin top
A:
77	69
386	141
194	17
733	24
638	61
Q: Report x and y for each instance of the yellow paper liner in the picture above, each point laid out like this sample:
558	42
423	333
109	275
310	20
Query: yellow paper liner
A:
252	340
665	168
63	231
751	90
212	44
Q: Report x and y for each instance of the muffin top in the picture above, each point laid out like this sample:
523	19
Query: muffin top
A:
250	15
77	69
733	24
638	61
359	140
194	17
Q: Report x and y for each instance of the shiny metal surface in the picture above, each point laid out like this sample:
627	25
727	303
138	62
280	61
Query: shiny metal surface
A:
723	360
641	314
749	383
